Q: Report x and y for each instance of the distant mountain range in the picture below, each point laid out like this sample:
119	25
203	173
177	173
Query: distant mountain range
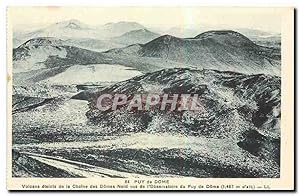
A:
74	29
62	30
133	46
225	50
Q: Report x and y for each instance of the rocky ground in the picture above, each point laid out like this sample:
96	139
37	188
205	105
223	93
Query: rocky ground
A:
237	135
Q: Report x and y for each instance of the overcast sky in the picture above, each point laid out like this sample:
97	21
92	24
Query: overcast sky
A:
267	19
